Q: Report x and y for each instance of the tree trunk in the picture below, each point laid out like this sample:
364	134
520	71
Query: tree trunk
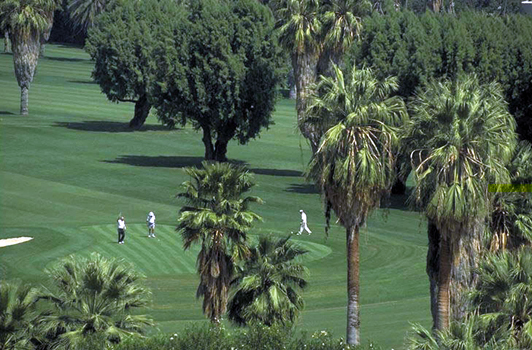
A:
463	278
142	110
7	43
207	141
220	150
444	279
23	100
353	286
305	75
433	269
46	34
25	56
437	5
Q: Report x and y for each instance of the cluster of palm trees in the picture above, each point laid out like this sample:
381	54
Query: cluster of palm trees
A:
251	283
88	297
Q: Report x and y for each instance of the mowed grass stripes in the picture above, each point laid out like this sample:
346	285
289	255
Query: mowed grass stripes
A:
72	165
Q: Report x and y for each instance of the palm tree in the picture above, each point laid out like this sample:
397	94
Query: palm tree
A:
354	165
265	289
217	216
342	25
511	218
26	21
299	27
94	297
459	140
17	311
84	12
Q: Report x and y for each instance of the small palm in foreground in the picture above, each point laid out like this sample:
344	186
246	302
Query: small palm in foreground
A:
266	286
94	296
217	215
17	306
354	166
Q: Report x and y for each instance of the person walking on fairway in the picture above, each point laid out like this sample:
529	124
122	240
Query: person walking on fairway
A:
304	225
121	223
150	221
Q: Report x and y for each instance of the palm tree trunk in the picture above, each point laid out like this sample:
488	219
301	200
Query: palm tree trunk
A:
7	42
305	75
353	286
433	269
25	56
444	279
24	100
46	34
463	278
142	110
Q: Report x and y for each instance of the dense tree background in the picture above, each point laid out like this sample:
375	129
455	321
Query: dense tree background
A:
416	48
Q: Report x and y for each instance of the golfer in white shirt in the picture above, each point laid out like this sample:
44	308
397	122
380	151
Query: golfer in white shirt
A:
121	223
304	225
150	221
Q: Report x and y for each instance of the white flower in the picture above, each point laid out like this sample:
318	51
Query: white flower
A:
171	338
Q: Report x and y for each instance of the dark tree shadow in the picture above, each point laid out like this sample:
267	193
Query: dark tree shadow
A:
277	172
106	126
185	161
6	113
82	81
67	59
158	161
308	188
398	201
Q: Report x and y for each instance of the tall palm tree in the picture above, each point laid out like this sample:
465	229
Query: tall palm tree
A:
266	286
26	21
459	139
94	297
354	165
217	216
299	27
17	311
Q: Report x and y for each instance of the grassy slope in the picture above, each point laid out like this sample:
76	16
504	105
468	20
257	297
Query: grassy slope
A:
71	166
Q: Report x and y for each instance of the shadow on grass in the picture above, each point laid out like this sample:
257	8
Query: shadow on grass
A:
82	81
302	188
185	161
66	59
106	126
6	113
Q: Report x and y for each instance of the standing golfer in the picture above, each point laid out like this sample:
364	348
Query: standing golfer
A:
304	225
121	223
150	221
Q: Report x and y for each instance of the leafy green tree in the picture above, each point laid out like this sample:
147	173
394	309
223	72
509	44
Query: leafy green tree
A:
266	285
460	138
17	312
121	43
218	72
355	163
26	21
94	296
217	216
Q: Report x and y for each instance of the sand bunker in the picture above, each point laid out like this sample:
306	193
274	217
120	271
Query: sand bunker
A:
12	241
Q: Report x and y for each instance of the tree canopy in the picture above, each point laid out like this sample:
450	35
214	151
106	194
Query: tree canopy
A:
217	70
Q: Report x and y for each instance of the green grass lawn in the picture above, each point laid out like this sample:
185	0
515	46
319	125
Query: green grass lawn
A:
70	167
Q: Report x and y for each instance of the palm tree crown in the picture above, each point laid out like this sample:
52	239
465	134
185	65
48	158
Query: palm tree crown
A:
217	216
267	284
95	296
